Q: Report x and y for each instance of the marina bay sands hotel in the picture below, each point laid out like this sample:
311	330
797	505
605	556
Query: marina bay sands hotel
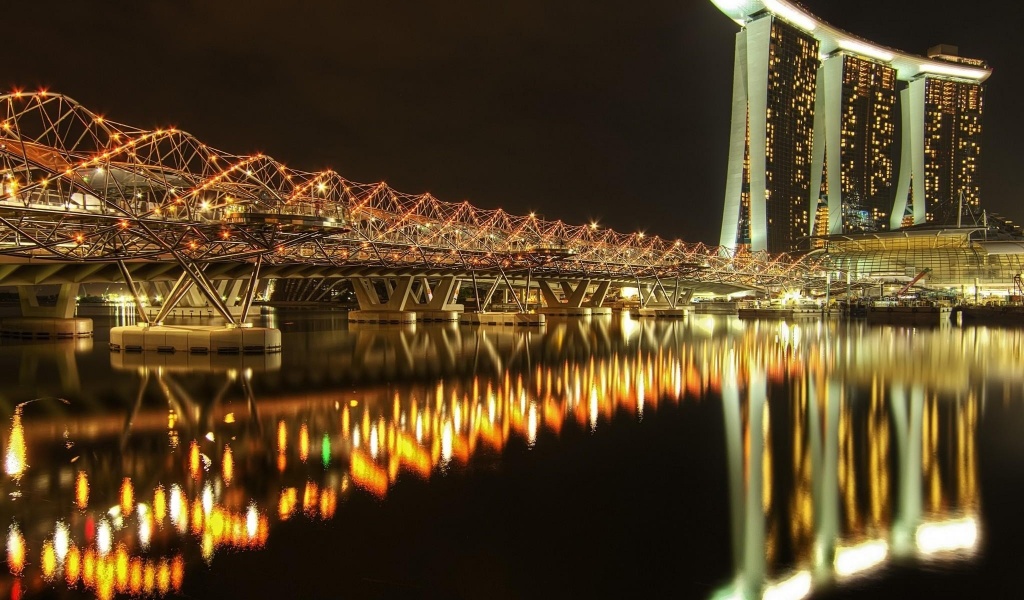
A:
822	120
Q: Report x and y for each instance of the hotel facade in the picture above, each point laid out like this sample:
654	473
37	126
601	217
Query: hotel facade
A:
816	140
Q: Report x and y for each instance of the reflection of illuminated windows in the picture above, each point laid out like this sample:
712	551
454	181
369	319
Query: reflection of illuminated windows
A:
577	393
948	536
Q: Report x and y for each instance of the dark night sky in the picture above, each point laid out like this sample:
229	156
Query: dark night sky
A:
577	109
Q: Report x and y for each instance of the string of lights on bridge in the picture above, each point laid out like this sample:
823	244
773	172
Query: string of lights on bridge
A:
80	187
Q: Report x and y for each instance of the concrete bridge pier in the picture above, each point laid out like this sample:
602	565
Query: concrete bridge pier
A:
572	306
485	316
437	303
658	301
596	300
41	322
373	309
236	336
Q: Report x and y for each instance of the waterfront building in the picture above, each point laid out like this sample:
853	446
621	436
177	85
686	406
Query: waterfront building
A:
970	263
942	146
814	126
854	127
771	137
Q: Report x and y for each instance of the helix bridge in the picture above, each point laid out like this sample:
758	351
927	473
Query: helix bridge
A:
85	198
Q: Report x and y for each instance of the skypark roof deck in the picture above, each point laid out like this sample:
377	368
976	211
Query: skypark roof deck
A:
832	39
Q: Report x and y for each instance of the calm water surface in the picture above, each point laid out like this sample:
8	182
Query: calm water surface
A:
705	458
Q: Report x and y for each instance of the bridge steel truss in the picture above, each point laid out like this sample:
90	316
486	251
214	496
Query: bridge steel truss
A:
80	189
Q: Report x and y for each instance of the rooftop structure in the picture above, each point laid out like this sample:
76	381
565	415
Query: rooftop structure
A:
966	261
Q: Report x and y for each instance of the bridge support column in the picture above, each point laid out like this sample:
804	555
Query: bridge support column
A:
439	304
502	317
196	272
234	337
373	310
572	306
658	301
63	309
596	300
308	288
250	289
130	282
195	296
490	294
47	322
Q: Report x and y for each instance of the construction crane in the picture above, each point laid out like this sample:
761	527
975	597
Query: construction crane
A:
916	278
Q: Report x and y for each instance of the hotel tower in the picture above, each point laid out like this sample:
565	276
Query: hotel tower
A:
814	146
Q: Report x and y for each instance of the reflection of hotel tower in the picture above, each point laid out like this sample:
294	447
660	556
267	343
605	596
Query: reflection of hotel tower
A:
849	468
864	481
813	137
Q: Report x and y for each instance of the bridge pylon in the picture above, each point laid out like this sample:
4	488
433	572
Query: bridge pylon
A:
659	300
47	322
577	300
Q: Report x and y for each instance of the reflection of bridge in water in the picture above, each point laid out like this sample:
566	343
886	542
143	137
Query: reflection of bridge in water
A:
209	462
363	355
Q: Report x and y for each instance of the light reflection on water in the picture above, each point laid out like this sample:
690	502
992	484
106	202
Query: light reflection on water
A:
847	446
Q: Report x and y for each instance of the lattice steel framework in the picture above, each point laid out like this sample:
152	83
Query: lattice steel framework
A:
80	188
